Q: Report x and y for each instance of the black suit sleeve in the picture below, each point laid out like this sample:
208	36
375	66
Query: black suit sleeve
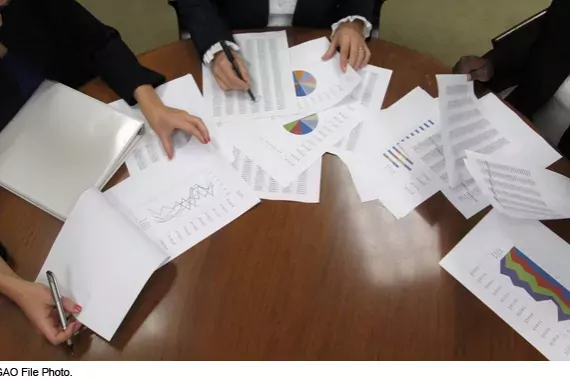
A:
364	8
101	49
201	18
10	101
541	70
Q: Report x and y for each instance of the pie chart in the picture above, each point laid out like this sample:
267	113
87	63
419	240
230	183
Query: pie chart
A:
303	126
305	83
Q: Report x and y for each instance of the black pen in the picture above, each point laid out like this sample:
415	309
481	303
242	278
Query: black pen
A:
230	56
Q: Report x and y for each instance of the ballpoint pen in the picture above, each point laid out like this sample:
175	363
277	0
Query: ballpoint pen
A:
230	56
58	304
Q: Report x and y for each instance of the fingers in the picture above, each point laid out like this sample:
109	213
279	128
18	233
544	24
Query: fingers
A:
360	60
232	79
221	82
227	77
367	56
166	139
70	306
202	131
331	50
344	51
243	69
353	58
57	336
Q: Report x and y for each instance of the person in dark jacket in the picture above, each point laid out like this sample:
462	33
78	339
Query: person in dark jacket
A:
211	21
537	69
61	41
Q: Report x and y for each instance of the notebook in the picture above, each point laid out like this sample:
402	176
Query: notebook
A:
62	143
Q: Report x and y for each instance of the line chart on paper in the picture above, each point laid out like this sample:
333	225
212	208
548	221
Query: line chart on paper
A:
181	201
190	201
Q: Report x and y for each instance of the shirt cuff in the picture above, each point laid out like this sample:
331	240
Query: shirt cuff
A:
367	25
210	54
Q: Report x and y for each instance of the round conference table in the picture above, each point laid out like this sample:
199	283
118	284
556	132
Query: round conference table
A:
338	280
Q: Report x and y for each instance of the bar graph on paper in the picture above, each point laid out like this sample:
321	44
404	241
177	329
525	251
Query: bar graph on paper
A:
396	157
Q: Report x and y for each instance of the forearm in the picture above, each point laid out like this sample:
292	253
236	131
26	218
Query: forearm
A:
148	100
10	282
206	26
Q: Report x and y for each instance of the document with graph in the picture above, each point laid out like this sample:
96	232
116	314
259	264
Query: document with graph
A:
519	269
286	148
520	191
180	204
267	58
320	85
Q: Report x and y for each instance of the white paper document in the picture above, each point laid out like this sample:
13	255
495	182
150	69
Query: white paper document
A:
463	125
267	58
519	191
320	85
285	149
182	94
519	269
102	261
384	167
306	188
512	138
370	93
180	204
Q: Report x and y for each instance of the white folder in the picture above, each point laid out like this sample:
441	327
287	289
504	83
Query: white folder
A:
62	143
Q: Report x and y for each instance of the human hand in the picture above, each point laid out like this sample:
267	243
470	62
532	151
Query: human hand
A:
37	303
165	120
226	76
476	68
353	49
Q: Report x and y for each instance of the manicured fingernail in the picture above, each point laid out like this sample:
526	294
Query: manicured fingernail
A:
77	308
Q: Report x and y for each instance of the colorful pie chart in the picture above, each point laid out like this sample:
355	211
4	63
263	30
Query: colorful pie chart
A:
303	126
305	83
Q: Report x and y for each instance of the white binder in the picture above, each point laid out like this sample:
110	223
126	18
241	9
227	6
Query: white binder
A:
62	143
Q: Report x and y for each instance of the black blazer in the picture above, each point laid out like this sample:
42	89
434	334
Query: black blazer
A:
211	21
65	43
538	65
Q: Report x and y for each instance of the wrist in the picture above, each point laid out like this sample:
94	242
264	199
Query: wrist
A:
12	286
357	25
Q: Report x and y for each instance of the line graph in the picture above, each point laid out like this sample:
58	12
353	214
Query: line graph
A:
165	213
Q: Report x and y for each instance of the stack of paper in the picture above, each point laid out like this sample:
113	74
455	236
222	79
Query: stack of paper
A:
285	151
405	146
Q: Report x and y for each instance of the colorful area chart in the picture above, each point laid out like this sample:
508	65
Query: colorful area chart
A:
525	274
303	126
305	83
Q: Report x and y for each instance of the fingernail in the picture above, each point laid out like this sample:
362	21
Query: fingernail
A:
77	309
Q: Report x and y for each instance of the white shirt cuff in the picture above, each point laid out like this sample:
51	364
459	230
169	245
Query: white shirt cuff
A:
210	54
367	25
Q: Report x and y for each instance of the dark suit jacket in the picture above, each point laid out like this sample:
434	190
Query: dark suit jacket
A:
538	66
211	21
65	43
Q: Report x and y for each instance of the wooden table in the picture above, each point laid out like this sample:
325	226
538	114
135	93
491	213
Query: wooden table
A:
336	280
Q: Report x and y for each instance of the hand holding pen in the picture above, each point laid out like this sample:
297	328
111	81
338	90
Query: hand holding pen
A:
230	71
36	301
